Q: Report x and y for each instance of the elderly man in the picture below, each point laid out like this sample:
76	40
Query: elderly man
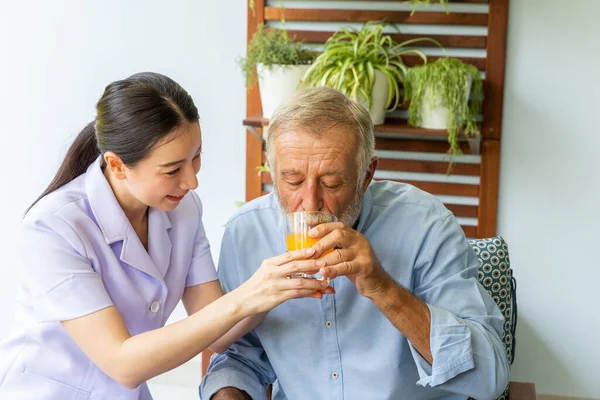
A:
409	319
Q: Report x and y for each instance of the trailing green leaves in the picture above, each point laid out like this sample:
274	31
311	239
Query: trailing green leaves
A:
416	3
445	82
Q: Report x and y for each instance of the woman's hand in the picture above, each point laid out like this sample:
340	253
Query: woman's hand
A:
271	284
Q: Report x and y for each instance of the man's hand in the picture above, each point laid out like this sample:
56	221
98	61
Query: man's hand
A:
352	256
230	393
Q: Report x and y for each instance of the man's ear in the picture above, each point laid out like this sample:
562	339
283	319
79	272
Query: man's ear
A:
115	165
370	172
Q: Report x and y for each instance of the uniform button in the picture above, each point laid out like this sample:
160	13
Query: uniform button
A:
155	307
334	375
329	324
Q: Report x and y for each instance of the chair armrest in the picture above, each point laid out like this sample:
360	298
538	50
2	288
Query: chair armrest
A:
522	391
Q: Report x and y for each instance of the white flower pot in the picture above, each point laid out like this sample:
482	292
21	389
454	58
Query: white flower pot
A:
437	117
379	94
278	83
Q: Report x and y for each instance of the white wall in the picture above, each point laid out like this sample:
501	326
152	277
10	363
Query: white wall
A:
57	56
549	208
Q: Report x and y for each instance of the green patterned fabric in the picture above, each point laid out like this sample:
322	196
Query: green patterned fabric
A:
496	277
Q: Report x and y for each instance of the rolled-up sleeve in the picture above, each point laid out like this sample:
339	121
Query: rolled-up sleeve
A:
245	364
466	325
56	271
202	268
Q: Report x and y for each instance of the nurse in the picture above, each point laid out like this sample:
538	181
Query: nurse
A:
113	244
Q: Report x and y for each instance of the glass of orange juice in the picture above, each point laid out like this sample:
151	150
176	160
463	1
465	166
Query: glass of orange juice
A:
298	225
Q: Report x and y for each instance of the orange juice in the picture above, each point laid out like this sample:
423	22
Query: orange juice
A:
298	241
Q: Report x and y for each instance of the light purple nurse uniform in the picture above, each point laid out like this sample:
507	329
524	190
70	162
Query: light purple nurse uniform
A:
79	254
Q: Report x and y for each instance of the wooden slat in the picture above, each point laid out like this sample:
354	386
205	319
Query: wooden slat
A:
422	146
488	195
431	167
448	41
254	146
470	231
412	61
392	125
450	189
461	210
494	73
328	15
266	178
400	126
256	121
453	1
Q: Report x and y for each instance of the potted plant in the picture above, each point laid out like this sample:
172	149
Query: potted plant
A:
279	64
440	98
416	3
366	65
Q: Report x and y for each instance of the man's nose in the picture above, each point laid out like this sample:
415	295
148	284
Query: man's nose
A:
312	197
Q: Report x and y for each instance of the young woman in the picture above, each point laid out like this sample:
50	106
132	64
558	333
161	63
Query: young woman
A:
110	248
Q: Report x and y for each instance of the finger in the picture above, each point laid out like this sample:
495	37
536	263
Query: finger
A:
302	284
301	266
334	239
322	230
343	269
336	256
298	294
290	256
321	292
317	294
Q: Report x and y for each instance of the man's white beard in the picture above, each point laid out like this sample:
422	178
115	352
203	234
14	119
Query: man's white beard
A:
349	216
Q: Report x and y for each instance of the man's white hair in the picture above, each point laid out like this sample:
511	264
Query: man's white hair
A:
317	110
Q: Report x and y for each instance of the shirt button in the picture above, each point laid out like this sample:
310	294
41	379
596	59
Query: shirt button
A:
334	375
329	324
155	307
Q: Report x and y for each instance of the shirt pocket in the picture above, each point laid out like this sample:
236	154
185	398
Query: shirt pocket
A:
51	388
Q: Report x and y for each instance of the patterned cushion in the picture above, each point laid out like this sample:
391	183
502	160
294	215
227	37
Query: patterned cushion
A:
496	277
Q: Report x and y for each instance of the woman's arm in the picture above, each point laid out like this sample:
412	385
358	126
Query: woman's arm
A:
131	360
197	297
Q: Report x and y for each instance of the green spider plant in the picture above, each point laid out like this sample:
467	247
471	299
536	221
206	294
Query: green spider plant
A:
416	3
350	58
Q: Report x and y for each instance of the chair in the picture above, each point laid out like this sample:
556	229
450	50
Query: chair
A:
496	276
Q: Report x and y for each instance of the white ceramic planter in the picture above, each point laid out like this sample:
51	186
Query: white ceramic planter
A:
278	83
437	117
379	94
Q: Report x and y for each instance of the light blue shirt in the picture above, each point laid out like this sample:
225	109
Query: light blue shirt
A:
343	347
79	254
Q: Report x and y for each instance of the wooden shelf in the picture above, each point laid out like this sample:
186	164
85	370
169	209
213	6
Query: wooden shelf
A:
393	127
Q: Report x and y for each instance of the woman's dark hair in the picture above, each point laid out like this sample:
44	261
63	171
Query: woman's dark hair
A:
131	117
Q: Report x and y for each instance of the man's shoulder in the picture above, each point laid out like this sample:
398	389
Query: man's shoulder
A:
397	197
261	209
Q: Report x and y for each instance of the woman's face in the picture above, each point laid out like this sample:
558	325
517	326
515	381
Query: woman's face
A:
166	175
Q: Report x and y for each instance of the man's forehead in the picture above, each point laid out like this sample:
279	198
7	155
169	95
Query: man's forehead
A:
328	172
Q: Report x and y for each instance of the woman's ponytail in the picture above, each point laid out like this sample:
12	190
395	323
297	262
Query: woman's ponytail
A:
82	153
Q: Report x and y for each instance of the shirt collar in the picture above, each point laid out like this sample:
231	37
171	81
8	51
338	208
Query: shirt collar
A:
115	226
